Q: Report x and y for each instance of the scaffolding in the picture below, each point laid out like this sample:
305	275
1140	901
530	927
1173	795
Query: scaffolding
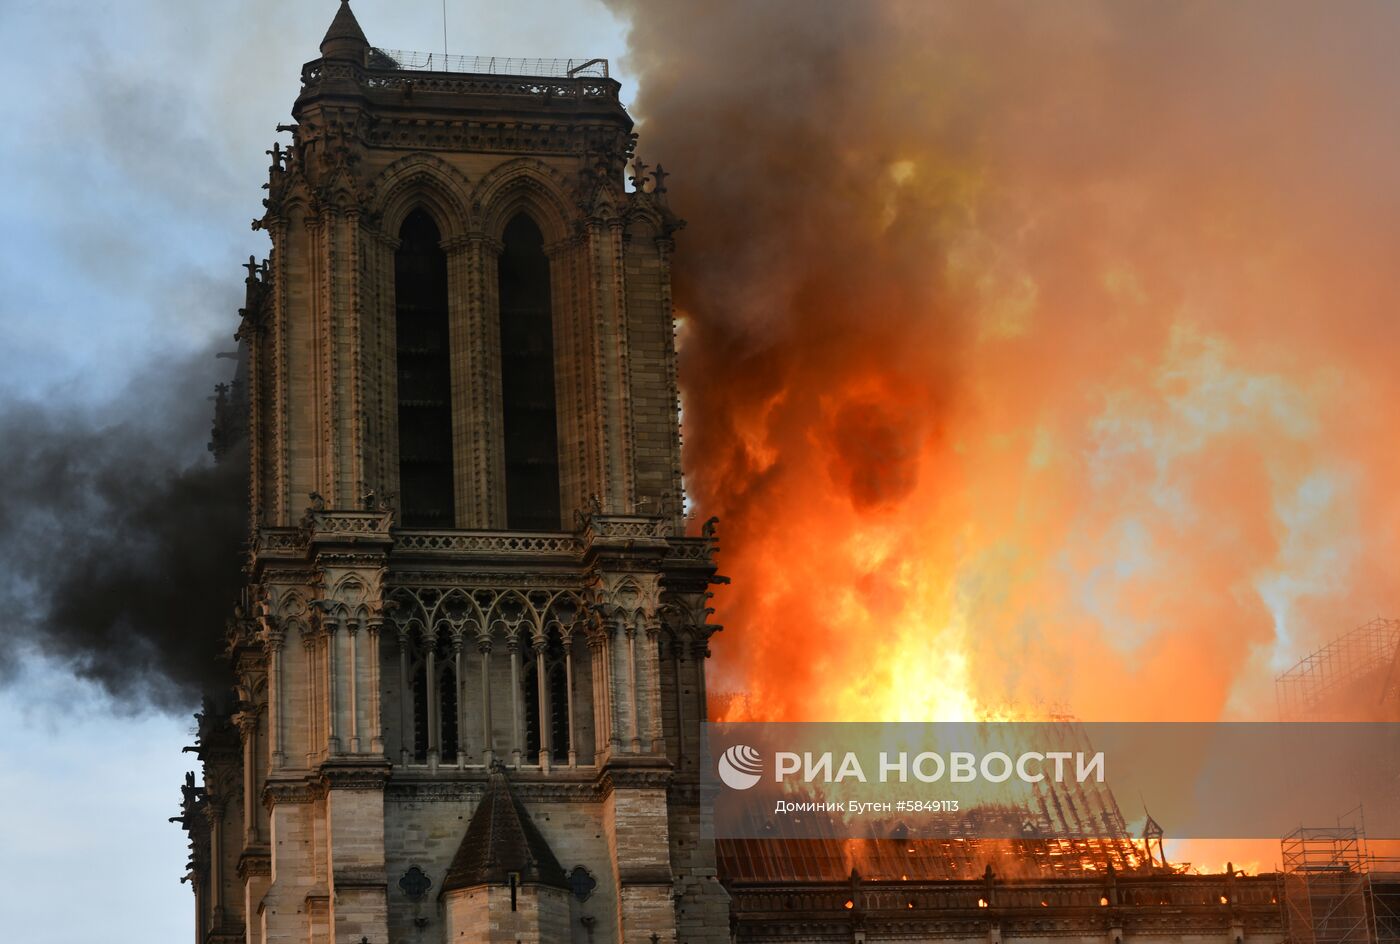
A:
1324	887
1354	677
1336	892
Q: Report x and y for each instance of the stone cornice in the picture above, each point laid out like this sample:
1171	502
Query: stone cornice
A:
255	861
290	791
576	785
354	774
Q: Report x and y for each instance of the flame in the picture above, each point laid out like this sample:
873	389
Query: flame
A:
1032	356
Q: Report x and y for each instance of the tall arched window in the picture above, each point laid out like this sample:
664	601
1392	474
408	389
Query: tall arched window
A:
527	380
425	376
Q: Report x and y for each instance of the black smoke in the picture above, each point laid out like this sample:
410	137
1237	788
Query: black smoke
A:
123	539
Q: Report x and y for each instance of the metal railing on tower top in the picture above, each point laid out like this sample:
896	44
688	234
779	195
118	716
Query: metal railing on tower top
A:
488	65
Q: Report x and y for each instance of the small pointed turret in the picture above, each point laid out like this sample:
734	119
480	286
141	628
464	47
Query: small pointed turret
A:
501	839
345	39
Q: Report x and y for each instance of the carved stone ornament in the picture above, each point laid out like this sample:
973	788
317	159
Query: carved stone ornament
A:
582	883
415	883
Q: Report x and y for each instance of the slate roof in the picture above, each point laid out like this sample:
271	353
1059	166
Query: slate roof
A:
501	839
345	32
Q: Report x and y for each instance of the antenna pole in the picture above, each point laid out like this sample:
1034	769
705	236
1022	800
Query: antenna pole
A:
444	33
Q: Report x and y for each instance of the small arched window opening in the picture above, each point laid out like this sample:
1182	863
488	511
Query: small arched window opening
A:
424	376
527	380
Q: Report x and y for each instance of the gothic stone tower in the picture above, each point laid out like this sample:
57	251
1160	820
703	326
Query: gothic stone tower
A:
470	667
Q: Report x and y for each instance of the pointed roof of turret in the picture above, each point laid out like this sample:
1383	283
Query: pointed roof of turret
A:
345	39
501	839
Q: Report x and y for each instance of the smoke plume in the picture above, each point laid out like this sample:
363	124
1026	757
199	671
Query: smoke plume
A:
1032	353
123	545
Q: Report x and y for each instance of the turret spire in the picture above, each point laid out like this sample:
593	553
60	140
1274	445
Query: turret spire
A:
345	39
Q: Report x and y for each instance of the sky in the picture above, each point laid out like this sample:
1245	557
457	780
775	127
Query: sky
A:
134	156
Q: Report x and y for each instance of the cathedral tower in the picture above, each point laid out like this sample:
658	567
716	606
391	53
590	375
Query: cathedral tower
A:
470	669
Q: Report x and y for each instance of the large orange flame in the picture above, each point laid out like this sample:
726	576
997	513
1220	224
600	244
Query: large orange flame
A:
1033	355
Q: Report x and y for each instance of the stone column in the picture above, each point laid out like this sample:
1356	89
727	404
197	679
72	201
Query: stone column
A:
513	646
682	664
458	683
352	631
479	403
331	625
633	722
354	836
542	697
309	649
274	638
701	652
430	696
568	640
247	722
483	645
461	294
655	731
405	699
676	510
624	493
376	720
635	821
214	812
615	698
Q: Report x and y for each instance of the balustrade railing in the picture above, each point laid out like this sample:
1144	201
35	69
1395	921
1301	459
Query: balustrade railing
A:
399	59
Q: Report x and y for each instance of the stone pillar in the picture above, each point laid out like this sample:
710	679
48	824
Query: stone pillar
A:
256	873
636	822
462	294
295	863
214	812
634	733
311	725
568	641
330	626
680	658
544	713
616	690
432	705
274	638
655	731
602	698
352	632
247	722
513	647
481	358
665	247
483	645
613	480
376	718
358	886
459	701
701	650
405	700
